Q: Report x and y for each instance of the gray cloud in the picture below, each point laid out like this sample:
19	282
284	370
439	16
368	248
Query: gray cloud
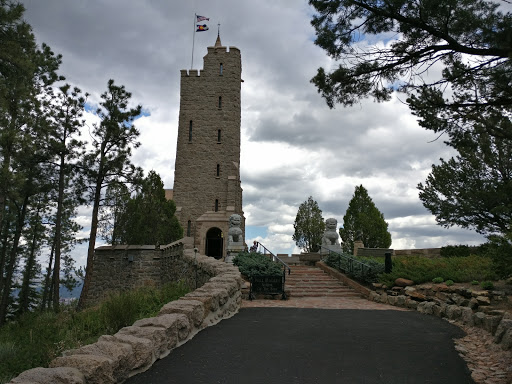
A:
293	145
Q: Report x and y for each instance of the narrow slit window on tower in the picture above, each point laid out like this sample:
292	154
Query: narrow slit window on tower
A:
220	102
220	70
219	136
189	227
218	170
190	131
216	205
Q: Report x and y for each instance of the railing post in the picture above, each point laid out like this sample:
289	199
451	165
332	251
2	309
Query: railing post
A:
388	265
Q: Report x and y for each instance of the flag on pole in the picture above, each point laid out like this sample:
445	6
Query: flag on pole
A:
202	28
201	18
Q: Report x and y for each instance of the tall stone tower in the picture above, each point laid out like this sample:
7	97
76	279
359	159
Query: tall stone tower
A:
207	188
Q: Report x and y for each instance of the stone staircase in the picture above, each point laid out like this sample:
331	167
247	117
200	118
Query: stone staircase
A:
305	281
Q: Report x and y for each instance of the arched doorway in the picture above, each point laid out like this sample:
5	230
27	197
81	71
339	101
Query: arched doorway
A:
214	243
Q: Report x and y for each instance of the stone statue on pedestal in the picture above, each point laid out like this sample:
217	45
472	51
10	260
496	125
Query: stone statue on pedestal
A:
330	240
235	238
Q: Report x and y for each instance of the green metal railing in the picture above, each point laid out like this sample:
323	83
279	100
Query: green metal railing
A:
351	265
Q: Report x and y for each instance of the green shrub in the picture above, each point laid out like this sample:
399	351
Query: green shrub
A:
449	282
488	285
474	282
255	264
437	280
499	249
422	270
462	250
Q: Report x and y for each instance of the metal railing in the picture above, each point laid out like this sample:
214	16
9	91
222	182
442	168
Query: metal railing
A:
275	258
351	263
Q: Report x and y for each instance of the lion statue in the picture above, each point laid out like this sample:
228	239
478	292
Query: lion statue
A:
330	234
234	232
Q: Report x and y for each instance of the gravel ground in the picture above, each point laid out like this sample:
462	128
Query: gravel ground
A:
488	363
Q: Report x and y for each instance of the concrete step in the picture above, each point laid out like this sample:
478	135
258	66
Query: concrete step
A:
306	281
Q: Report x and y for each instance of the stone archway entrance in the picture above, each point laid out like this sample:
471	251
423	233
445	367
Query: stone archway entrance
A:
214	243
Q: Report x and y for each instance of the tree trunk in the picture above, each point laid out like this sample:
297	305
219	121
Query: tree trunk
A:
24	298
4	303
47	289
58	236
92	244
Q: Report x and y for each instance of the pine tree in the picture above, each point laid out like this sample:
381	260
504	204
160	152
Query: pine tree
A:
363	221
114	138
474	189
309	226
469	41
149	216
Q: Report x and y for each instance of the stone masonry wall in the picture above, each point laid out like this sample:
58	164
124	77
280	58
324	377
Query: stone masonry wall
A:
133	349
209	137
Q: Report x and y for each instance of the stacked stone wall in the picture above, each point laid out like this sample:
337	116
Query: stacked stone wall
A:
133	349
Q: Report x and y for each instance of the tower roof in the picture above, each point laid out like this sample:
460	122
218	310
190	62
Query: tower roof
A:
218	44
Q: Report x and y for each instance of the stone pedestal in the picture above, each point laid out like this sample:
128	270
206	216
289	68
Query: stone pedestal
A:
357	244
234	249
333	247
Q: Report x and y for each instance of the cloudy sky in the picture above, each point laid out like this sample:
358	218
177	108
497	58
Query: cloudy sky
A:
293	145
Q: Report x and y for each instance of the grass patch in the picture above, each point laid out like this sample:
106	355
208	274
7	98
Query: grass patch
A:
422	270
37	338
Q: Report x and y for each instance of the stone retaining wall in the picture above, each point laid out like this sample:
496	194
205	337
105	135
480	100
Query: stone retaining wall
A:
114	358
470	307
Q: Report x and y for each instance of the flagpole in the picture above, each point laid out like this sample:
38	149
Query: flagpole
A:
193	41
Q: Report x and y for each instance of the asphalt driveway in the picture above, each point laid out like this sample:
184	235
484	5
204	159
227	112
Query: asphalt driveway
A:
302	345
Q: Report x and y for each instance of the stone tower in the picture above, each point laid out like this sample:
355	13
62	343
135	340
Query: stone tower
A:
207	188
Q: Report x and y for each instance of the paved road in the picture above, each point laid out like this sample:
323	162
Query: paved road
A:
303	345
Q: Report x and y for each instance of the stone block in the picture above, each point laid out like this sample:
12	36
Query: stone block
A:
143	355
439	309
211	303
415	295
107	346
491	323
96	369
506	340
426	307
392	300
453	312
483	300
412	304
400	300
503	327
374	296
193	309
401	282
478	319
467	316
160	343
176	325
58	375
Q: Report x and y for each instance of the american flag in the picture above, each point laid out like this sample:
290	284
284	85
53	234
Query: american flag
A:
201	18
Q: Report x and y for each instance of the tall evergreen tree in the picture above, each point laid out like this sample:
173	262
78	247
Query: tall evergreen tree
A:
363	221
114	138
65	111
309	226
25	172
149	216
474	189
